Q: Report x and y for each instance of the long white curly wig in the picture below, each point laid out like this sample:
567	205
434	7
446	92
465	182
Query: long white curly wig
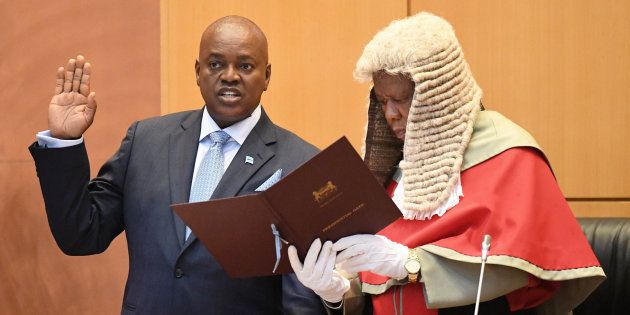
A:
440	123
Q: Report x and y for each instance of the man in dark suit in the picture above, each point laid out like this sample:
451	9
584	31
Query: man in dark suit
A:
170	272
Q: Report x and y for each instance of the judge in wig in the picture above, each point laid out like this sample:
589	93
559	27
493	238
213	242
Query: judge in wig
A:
457	172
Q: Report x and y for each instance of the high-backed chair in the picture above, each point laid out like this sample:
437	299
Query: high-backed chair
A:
610	240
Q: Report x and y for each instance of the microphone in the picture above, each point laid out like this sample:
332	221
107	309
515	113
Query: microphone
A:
485	247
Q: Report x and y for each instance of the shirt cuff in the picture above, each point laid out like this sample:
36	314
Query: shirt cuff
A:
44	139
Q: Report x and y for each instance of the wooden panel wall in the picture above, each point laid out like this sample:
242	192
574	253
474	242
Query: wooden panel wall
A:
558	68
313	46
121	40
561	70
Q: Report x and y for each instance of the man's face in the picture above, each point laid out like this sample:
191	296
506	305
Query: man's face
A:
232	72
394	93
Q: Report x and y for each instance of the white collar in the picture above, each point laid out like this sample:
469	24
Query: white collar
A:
237	131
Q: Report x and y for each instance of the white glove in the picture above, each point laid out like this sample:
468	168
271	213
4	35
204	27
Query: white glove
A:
374	253
318	273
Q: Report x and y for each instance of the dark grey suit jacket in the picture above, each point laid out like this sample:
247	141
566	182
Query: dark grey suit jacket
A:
153	169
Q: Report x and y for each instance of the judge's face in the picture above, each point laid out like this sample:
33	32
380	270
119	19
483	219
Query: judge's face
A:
232	72
394	93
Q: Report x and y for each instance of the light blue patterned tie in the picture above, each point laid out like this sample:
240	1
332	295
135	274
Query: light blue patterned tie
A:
210	171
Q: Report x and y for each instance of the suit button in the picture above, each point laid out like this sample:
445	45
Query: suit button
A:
179	273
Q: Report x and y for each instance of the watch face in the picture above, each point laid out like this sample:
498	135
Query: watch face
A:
412	266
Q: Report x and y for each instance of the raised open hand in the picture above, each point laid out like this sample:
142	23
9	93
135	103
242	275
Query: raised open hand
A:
72	108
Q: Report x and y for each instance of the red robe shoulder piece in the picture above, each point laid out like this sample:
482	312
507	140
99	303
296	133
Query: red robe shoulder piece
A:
537	250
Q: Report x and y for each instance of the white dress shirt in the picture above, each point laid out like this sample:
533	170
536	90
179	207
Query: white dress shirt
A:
238	133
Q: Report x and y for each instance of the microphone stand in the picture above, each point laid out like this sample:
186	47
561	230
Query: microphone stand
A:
485	247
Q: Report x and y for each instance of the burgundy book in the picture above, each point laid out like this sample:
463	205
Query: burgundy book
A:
330	196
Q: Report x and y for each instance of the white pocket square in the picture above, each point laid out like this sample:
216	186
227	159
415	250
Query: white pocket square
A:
270	181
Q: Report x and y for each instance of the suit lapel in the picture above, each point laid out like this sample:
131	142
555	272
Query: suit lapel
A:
256	145
183	146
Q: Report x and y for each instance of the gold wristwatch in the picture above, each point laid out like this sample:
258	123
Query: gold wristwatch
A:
412	265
